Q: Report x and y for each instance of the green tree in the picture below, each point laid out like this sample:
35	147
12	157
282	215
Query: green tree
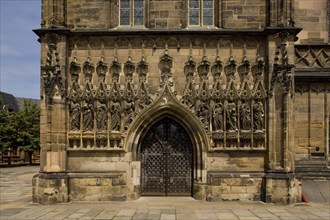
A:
28	127
8	130
21	130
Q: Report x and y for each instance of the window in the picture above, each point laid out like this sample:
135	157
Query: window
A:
131	12
201	12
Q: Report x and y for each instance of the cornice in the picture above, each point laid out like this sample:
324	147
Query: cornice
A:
164	32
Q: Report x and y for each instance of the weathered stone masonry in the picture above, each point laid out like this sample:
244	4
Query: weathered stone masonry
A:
229	86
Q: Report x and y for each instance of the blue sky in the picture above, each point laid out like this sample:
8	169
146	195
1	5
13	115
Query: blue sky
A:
20	50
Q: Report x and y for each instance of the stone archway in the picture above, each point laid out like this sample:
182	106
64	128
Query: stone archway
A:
168	106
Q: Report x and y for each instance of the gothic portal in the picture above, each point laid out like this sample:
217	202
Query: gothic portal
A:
220	100
166	160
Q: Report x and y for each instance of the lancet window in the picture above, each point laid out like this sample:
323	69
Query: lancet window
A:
201	12
131	12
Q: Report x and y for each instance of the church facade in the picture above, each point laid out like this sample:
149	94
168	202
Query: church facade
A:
220	100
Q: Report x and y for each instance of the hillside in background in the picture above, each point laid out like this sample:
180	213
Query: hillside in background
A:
15	103
20	101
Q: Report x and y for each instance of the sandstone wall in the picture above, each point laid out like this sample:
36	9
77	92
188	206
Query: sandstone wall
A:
313	17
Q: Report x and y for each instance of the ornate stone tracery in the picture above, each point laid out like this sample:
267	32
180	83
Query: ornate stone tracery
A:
226	108
51	72
142	96
189	93
281	68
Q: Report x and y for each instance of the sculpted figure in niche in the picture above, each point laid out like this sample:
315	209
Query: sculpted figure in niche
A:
203	113
129	110
101	119
245	116
258	115
88	117
115	116
231	116
75	116
218	117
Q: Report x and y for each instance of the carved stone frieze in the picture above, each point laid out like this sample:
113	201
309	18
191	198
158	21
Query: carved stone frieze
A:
88	70
259	90
230	70
243	70
231	116
75	118
281	68
142	96
217	92
101	117
312	56
203	70
189	93
245	140
88	117
227	111
165	65
302	88
203	112
101	70
258	115
218	117
51	71
128	104
245	115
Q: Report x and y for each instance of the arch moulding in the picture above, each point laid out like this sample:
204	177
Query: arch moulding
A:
167	105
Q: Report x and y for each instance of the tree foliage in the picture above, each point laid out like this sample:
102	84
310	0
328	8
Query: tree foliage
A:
20	129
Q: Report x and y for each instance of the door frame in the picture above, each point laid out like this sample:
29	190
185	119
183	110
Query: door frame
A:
165	160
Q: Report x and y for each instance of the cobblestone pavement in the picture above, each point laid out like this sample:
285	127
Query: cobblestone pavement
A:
15	189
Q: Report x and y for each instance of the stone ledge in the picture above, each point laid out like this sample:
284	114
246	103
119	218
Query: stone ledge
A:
282	176
97	150
235	175
237	149
95	175
252	31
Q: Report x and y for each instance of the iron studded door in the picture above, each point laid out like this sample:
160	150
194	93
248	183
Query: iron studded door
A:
166	160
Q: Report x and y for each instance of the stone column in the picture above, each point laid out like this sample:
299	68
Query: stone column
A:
50	185
282	185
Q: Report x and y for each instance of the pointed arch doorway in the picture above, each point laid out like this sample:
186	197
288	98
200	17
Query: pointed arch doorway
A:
166	160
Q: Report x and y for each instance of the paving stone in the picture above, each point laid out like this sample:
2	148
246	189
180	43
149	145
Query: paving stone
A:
11	211
92	213
52	214
226	216
153	216
155	208
105	214
168	211
139	216
154	211
167	217
126	212
121	218
78	214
